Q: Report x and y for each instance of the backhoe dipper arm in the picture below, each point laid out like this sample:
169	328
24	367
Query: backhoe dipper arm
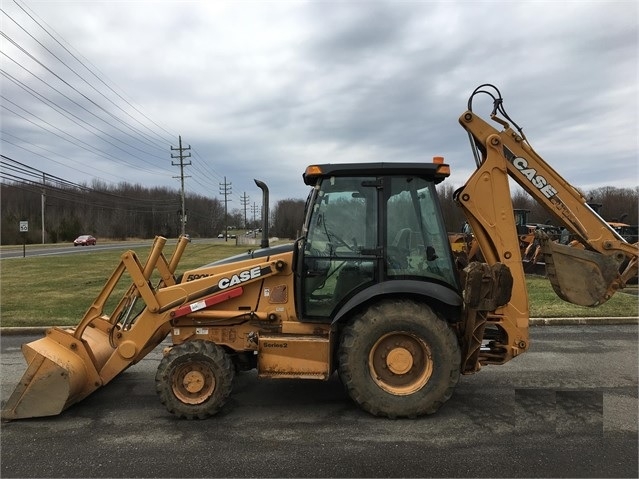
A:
495	331
582	276
487	205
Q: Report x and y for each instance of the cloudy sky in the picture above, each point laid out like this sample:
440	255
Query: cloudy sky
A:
260	89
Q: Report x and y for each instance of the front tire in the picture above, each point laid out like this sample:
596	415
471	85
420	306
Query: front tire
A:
399	359
194	379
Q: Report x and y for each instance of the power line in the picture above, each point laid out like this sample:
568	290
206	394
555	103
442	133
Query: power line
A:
27	171
50	102
26	142
66	65
90	70
94	103
206	176
77	142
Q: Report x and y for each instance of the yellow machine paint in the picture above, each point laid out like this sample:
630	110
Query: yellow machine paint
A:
401	326
69	364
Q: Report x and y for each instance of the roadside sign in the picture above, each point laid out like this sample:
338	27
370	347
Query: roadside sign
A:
24	226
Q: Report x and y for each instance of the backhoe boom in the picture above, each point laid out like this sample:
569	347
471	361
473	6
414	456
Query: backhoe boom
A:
587	275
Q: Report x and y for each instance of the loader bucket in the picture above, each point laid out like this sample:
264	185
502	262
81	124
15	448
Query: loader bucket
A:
67	365
61	371
579	276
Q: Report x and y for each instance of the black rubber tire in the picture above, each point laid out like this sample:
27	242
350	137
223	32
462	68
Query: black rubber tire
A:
427	361
202	366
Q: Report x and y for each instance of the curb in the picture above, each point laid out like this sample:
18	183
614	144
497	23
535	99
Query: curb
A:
23	330
30	330
583	321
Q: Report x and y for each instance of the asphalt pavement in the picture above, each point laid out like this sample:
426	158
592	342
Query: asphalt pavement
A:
566	408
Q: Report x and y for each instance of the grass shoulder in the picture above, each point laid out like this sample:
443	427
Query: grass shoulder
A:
544	303
57	290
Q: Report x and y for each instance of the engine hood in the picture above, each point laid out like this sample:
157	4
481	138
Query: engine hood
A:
252	254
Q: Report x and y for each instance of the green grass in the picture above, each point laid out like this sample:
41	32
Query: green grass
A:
57	290
544	303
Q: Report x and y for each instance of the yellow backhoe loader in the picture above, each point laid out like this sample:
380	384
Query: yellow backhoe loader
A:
370	290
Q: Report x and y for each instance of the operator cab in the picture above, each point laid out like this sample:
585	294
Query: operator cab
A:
370	230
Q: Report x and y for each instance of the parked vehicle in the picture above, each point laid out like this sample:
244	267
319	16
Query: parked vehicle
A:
84	240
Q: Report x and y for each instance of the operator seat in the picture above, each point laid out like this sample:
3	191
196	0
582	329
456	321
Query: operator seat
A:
399	249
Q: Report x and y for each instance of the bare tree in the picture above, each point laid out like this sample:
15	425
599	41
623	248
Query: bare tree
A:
287	218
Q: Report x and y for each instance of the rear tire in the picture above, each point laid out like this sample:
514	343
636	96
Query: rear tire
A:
194	379
399	359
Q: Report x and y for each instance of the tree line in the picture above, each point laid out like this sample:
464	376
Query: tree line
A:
612	204
134	211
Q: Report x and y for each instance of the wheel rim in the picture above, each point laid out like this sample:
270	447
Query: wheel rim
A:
193	383
400	363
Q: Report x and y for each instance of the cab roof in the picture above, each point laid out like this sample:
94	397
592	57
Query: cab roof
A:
435	171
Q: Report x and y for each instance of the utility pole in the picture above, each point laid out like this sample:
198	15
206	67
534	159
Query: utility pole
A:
181	164
225	189
256	210
43	196
245	201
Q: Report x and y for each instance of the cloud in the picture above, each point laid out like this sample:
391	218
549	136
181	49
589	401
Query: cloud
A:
262	89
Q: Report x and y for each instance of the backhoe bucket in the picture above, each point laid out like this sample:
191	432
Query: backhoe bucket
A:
61	371
579	276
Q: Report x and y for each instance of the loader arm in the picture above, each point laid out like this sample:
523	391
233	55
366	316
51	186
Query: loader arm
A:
69	364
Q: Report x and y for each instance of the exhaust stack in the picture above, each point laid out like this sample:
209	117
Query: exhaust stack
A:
264	188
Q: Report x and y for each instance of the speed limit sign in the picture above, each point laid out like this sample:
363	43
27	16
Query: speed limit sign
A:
24	226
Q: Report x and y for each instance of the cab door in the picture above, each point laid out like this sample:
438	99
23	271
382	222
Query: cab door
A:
341	251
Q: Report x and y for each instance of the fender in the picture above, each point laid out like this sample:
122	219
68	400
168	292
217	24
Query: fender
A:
435	291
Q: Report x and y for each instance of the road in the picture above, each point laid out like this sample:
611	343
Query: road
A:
7	252
53	250
568	407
